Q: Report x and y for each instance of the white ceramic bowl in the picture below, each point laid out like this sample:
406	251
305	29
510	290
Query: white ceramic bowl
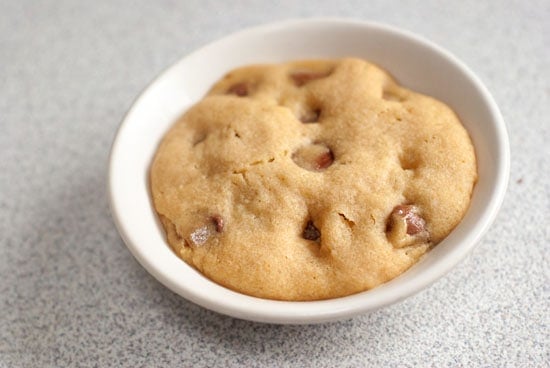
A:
416	63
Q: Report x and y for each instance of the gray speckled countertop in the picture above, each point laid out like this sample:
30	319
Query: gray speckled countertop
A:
72	295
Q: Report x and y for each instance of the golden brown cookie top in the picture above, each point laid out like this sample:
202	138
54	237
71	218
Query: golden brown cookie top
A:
311	179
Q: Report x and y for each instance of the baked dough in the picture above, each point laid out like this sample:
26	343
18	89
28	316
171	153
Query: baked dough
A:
311	179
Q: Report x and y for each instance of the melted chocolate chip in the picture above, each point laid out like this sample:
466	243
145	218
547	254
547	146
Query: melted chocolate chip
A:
324	160
313	157
218	223
406	227
415	223
202	233
311	232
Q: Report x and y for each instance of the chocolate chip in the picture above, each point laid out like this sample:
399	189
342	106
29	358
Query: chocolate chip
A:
415	223
203	232
239	89
311	232
302	77
218	223
324	160
313	157
406	227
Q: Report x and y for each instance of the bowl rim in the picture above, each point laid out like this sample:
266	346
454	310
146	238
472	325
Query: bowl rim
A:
298	312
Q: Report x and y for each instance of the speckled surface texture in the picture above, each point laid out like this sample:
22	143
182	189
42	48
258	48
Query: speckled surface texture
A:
72	295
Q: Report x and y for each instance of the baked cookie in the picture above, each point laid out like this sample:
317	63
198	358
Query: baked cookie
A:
311	179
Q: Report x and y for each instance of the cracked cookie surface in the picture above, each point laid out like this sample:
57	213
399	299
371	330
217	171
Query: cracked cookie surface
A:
311	179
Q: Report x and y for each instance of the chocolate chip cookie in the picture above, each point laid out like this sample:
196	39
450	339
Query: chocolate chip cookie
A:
311	179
